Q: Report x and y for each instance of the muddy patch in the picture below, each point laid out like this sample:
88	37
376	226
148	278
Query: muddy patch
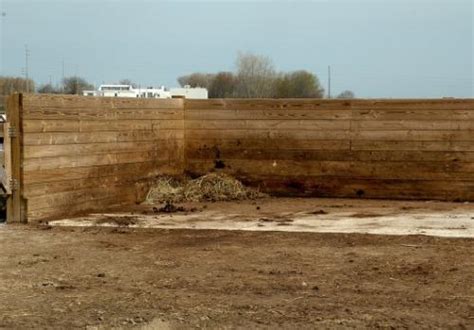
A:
123	221
318	212
279	221
169	208
366	215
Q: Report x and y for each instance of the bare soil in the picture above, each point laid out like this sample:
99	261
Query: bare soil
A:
326	215
106	277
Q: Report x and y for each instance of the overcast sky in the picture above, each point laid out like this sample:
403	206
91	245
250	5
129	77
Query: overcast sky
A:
377	48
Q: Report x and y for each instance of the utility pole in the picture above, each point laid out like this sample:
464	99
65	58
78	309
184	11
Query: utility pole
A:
62	81
27	55
329	82
77	89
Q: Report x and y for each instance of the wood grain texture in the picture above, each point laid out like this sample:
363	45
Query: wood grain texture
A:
89	154
57	138
37	102
7	160
326	186
386	148
15	201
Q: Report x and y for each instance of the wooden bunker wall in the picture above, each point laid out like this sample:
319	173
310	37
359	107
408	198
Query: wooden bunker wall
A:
84	154
401	149
79	154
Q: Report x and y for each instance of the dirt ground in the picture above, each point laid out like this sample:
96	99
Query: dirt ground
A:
297	215
155	278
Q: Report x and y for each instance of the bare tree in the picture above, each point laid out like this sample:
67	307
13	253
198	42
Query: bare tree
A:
223	85
203	80
9	85
255	76
127	82
346	95
75	85
48	89
298	84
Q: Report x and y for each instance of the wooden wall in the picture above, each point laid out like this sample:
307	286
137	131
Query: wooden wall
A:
81	154
88	154
404	149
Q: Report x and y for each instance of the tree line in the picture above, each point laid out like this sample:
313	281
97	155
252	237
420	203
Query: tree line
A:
69	85
256	77
9	85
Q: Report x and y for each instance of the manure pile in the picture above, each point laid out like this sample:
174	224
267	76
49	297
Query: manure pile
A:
210	187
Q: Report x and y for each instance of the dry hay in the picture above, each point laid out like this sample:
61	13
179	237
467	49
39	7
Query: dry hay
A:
166	189
209	187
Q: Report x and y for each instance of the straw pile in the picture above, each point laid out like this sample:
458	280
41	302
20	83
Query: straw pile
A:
210	187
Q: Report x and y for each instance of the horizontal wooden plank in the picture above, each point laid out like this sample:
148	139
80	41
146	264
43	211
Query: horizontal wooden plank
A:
229	114
108	204
223	153
310	124
274	143
335	114
412	114
71	198
259	124
100	137
356	145
148	168
403	135
157	154
419	125
265	104
45	113
447	104
267	134
41	151
314	104
120	177
79	202
38	126
37	101
454	146
105	205
347	169
326	186
414	135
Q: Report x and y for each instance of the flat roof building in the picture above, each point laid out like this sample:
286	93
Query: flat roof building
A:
111	90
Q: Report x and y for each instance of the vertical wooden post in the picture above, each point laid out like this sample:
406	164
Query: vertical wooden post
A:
7	158
14	134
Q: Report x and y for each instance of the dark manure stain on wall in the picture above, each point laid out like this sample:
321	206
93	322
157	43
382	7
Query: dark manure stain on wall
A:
219	164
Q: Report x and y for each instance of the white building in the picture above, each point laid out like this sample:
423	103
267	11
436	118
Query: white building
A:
149	92
129	91
189	92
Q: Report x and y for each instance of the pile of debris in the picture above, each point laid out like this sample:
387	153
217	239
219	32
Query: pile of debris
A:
211	187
